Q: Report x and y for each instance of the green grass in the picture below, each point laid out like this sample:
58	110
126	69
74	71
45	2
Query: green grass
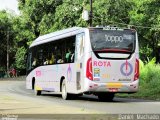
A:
149	87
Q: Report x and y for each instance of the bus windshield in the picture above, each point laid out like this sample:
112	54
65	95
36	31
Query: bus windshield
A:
113	40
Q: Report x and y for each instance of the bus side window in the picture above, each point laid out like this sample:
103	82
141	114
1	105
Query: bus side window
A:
79	46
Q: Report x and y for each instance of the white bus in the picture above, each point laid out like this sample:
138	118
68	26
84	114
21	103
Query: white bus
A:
97	60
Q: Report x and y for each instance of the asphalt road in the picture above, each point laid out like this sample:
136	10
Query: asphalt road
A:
15	99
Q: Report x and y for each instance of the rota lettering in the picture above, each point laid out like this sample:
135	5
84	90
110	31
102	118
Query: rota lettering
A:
102	63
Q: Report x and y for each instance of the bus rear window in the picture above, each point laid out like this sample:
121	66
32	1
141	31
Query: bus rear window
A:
116	41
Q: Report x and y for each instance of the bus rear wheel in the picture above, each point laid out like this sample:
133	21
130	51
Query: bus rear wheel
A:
106	97
65	95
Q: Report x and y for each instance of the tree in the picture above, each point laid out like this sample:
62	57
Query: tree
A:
145	16
69	14
40	14
6	34
112	12
152	18
20	55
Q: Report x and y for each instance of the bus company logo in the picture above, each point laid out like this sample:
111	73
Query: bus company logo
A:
126	68
102	63
69	73
114	39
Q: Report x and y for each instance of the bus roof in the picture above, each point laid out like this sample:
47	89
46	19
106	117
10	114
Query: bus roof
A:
65	33
56	35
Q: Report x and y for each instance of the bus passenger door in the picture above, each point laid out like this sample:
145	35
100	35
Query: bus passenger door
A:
79	60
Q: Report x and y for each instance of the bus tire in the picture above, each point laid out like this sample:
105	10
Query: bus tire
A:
65	95
106	97
37	92
33	83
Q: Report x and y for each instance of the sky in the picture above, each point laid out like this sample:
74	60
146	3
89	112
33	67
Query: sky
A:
10	5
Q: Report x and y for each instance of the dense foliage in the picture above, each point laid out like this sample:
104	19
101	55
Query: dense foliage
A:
39	17
149	84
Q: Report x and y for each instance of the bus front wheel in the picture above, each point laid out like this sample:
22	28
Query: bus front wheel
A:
37	92
106	97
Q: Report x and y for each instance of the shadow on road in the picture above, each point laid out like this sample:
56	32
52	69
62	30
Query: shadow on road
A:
93	98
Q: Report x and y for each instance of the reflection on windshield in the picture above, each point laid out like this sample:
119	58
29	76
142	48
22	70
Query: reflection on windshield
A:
112	39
